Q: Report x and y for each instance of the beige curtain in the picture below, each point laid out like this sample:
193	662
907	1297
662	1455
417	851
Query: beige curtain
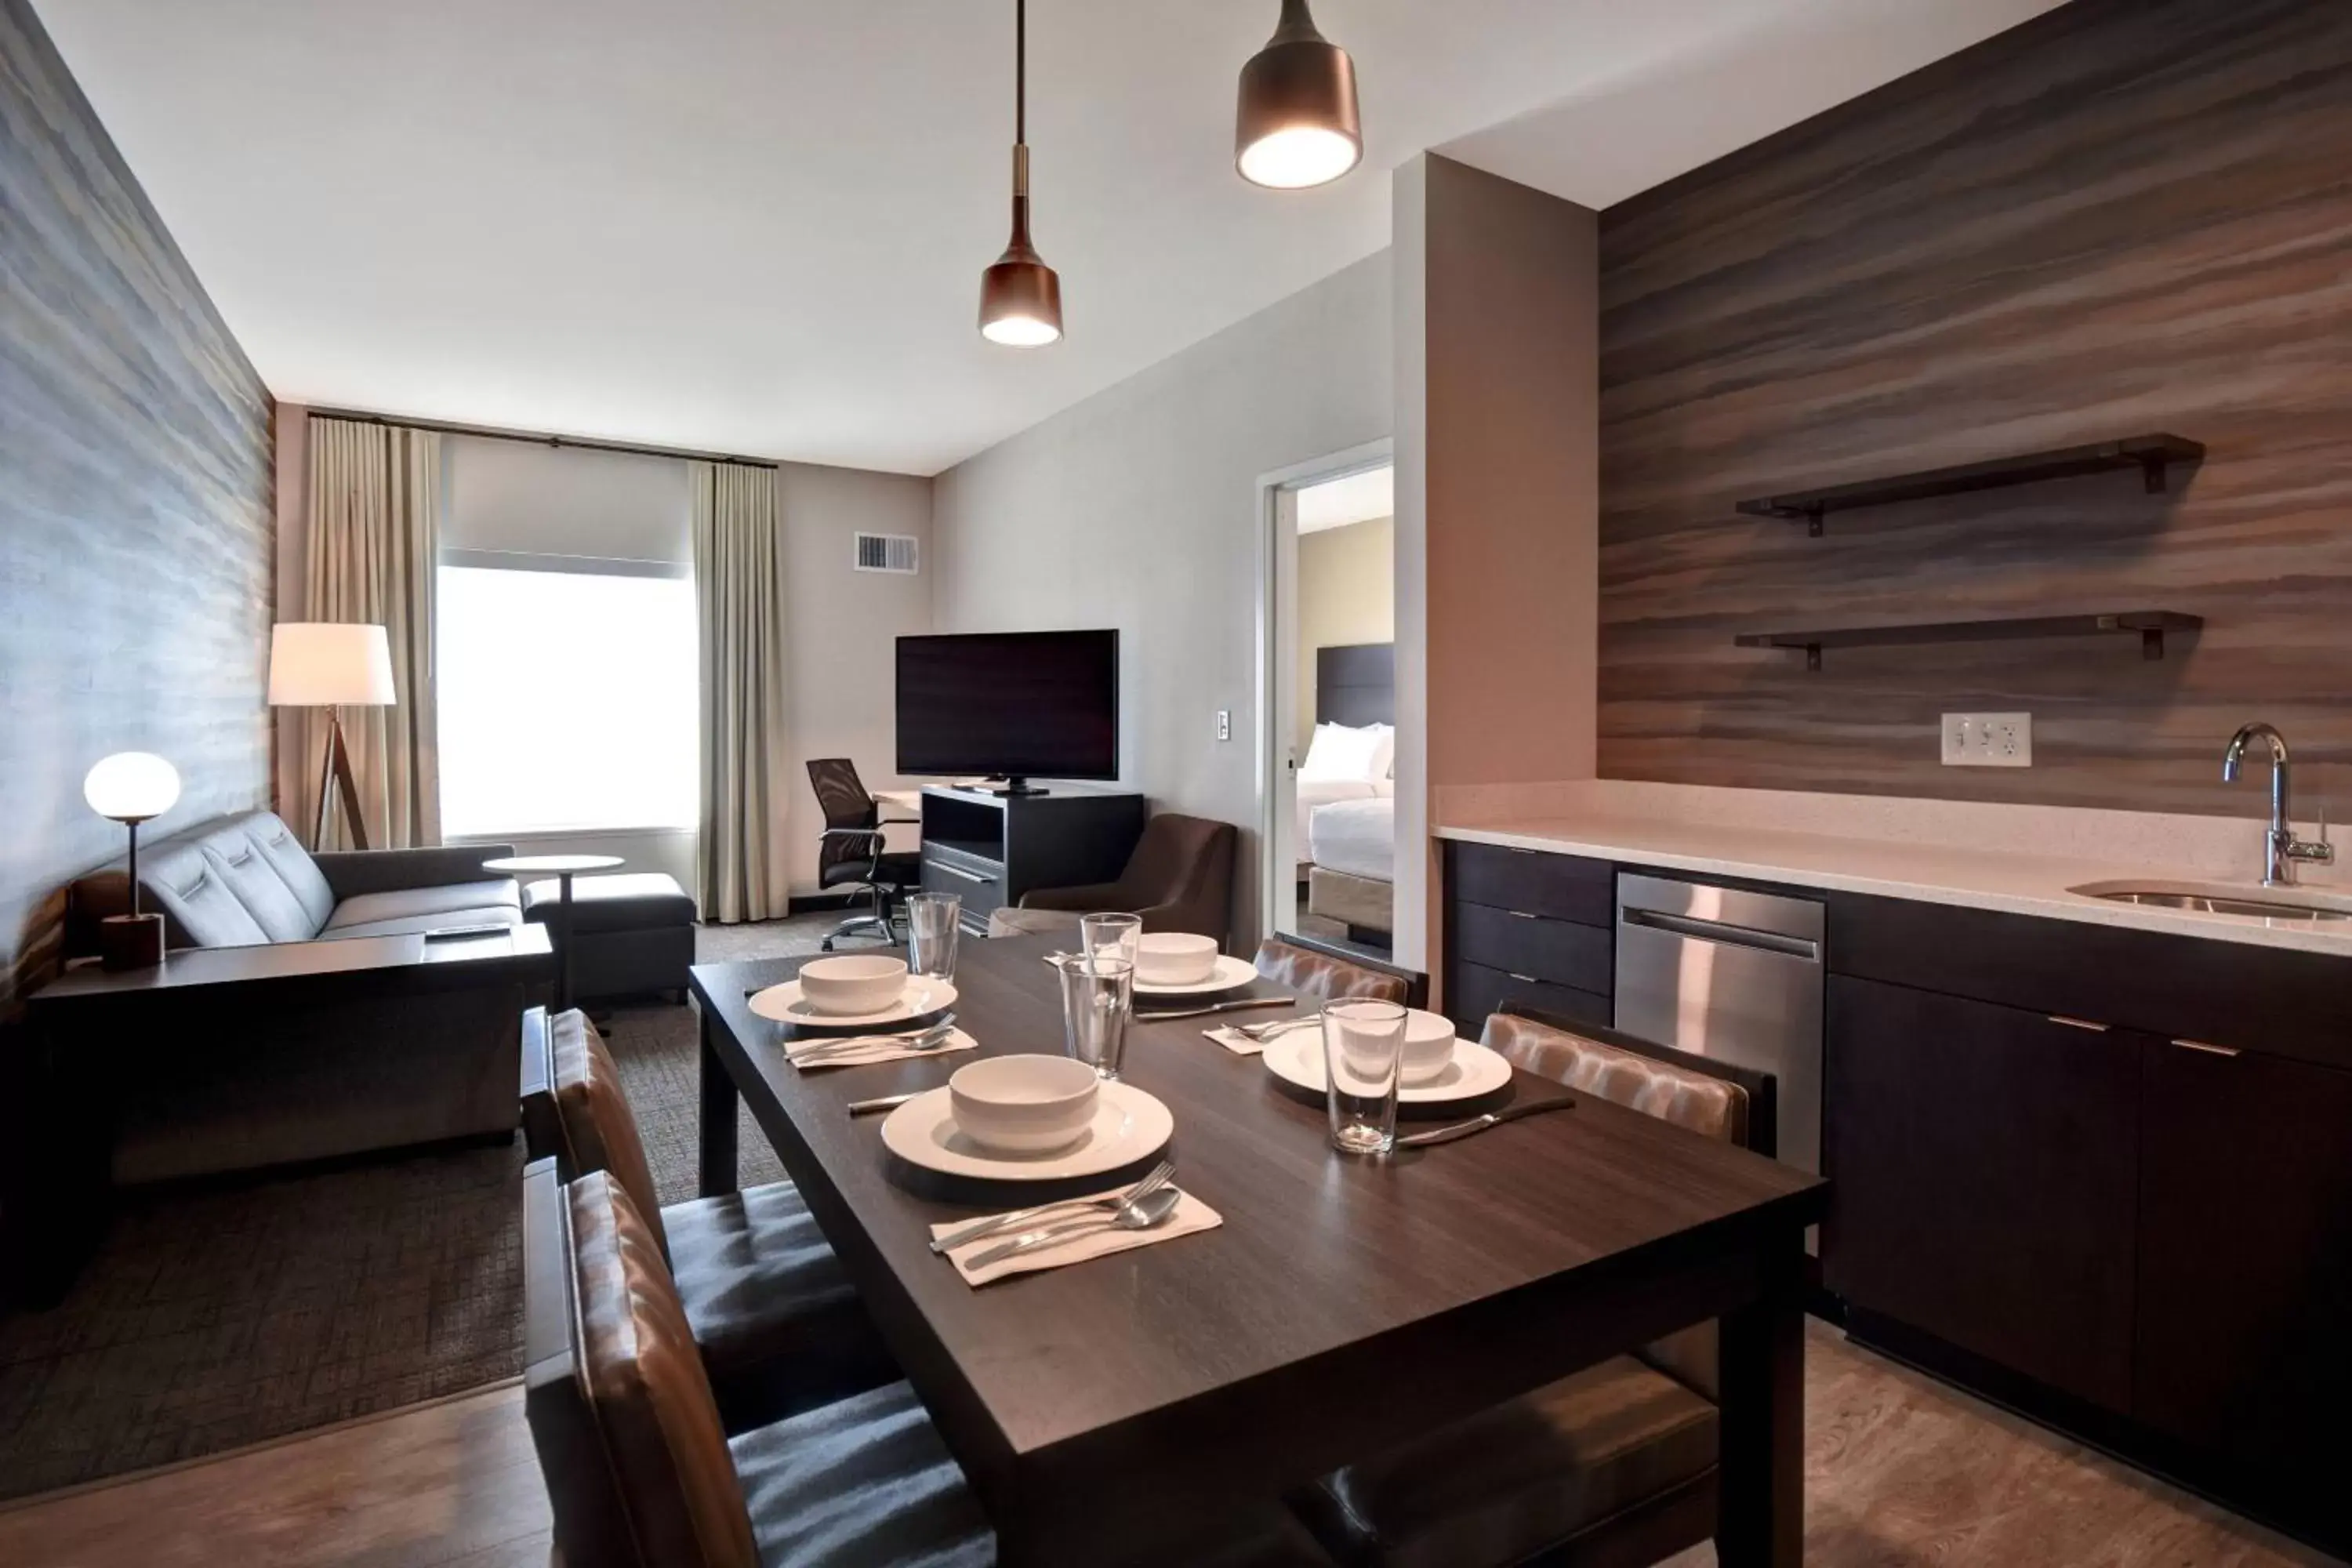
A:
739	595
375	519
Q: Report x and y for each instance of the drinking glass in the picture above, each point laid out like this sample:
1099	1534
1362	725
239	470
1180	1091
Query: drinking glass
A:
1363	1046
1097	995
933	922
1109	933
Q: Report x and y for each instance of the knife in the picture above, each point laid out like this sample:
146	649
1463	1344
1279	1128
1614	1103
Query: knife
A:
1143	1016
885	1102
1480	1123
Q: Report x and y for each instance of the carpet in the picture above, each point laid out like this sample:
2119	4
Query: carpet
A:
215	1317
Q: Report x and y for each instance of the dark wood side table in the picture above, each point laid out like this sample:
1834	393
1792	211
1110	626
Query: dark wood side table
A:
563	867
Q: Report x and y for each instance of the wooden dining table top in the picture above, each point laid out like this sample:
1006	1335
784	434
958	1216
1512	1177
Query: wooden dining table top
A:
1343	1303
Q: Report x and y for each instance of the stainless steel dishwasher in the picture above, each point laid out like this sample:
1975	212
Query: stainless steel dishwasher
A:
1723	972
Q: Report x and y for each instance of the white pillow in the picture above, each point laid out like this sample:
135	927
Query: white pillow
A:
1384	754
1339	753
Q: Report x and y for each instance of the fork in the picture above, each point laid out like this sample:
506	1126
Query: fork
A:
934	1037
1154	1180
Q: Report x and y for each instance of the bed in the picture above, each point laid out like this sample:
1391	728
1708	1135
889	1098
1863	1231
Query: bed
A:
1347	805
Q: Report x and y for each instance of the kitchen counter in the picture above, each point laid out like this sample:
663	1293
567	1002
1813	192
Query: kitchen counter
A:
1986	880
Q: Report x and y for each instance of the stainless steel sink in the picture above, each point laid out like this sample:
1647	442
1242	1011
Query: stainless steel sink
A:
2284	905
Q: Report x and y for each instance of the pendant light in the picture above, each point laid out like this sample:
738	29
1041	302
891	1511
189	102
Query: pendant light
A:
1296	124
1020	297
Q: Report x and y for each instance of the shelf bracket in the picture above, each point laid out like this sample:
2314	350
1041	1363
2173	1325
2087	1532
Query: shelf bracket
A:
2151	642
1812	654
1812	522
2152	468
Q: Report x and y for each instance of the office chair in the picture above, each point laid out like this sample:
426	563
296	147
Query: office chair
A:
852	855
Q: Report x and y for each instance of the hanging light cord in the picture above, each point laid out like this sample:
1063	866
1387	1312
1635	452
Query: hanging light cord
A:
1021	70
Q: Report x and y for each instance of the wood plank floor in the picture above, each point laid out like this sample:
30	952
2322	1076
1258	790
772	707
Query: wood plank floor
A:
1900	1471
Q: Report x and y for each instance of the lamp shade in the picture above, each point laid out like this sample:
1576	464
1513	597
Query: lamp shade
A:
323	664
1296	124
131	787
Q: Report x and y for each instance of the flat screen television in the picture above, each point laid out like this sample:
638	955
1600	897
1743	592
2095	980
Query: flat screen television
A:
1021	705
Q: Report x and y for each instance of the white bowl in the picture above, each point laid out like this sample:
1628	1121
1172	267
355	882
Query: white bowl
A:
1428	1046
1174	958
1024	1104
853	984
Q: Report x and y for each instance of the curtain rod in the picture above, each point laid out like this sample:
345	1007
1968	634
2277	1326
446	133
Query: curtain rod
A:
539	438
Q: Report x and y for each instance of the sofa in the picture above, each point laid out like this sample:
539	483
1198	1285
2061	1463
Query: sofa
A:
323	1053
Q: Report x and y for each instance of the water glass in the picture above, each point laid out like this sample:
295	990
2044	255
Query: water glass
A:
934	920
1363	1047
1097	998
1110	934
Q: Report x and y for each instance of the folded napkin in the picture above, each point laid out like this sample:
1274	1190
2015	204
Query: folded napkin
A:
863	1051
1192	1214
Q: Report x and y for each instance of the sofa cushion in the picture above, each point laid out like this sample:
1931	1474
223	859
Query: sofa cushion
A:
292	863
441	903
257	884
180	879
449	920
633	900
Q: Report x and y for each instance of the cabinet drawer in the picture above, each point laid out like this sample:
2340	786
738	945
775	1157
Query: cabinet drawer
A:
978	883
1565	887
1520	943
1478	991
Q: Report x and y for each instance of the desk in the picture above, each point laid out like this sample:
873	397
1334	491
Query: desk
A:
1343	1306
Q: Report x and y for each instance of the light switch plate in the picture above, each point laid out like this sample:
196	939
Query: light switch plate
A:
1224	723
1987	740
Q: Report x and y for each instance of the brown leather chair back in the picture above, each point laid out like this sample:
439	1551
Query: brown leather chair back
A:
621	1410
1326	974
1711	1098
1181	875
594	1130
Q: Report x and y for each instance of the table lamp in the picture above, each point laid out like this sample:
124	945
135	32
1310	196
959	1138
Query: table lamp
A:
331	664
131	787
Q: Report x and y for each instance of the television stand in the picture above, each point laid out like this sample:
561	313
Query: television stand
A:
991	847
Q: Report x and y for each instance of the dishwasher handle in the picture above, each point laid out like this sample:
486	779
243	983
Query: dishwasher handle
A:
1796	947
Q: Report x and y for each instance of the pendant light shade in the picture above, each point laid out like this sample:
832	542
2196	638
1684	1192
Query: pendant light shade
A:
1020	296
1296	123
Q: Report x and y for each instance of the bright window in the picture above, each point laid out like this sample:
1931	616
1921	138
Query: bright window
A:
567	701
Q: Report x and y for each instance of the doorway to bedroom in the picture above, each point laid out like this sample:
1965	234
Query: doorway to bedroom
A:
1330	790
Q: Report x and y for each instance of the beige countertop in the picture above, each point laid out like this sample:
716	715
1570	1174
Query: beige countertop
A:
2012	883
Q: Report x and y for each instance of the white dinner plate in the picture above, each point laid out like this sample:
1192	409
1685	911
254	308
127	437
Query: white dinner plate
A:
1297	1057
1231	973
1128	1125
920	999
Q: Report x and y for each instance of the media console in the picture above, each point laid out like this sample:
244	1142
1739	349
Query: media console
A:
992	848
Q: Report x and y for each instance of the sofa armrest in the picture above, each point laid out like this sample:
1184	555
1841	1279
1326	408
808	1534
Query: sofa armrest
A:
1099	896
350	872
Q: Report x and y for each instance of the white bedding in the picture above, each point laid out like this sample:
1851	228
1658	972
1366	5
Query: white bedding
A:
1314	795
1357	836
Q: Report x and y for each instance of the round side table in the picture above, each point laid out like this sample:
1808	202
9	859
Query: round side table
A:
563	867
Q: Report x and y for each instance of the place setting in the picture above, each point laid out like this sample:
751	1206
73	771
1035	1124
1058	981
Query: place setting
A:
860	1009
1177	973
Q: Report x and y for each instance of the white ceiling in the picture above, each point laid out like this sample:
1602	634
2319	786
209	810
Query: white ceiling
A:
758	226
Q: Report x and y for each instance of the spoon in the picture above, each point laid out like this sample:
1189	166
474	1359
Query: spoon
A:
1147	1213
930	1039
1159	1177
1267	1031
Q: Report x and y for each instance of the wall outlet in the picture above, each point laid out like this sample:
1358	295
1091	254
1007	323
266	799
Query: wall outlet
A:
1987	740
1224	723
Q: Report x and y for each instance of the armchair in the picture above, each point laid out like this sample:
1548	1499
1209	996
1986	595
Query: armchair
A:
1181	877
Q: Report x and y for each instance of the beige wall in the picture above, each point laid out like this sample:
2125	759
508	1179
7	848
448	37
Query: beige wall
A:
1346	595
1139	509
1498	497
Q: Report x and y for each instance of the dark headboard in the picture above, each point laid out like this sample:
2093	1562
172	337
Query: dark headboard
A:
1356	685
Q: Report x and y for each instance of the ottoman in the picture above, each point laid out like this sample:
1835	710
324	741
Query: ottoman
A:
632	934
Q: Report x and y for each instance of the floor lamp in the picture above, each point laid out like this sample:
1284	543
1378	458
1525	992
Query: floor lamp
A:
332	665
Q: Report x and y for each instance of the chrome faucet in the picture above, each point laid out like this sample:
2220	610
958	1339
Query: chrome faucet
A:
2282	850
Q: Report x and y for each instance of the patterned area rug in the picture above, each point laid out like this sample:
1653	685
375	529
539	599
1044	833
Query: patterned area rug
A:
212	1318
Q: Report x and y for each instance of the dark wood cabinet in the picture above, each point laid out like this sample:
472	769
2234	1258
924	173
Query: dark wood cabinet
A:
1529	927
1984	1163
1479	992
2245	1345
990	849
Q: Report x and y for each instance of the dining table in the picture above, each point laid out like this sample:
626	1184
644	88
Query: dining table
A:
1117	1409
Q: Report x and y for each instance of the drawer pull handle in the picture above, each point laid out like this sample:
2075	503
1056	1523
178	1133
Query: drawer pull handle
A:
959	871
2080	1023
1521	915
2208	1051
1523	979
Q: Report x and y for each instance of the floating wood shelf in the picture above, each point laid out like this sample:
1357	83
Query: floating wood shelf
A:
2150	625
2149	453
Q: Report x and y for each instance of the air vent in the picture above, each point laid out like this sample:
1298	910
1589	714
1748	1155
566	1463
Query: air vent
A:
887	552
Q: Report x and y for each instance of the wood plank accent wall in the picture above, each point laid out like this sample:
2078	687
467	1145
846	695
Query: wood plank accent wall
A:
136	498
2124	216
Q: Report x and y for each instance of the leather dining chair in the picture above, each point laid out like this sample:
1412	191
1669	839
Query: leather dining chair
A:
640	1472
1611	1467
853	856
1304	965
778	1325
